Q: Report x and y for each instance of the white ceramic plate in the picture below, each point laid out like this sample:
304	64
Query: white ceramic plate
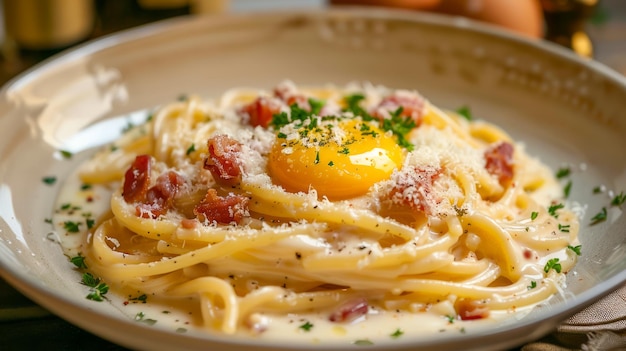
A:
567	110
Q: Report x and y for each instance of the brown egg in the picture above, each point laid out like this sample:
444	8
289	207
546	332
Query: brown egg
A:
522	16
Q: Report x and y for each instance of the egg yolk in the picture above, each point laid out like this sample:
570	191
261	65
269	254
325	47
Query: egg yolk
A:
340	160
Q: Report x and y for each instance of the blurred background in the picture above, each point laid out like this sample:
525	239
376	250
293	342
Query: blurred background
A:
34	30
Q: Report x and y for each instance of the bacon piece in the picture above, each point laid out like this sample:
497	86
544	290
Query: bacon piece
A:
469	309
411	103
350	311
222	209
413	187
137	179
223	160
261	111
159	198
499	161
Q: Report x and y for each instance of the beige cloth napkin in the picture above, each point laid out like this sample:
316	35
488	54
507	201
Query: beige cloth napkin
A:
599	327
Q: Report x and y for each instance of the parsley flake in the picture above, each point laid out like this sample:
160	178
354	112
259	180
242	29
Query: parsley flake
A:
576	249
98	288
534	215
397	333
564	228
552	264
90	222
599	217
553	208
317	158
66	154
450	318
71	226
143	298
567	189
85	187
598	189
563	172
190	149
79	261
618	200
306	326
363	342
533	284
49	180
465	112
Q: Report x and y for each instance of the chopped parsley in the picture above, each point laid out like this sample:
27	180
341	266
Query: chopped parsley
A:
143	298
598	189
317	157
191	149
618	200
450	318
66	154
79	261
564	228
181	330
534	215
331	163
49	180
533	284
90	222
316	106
553	208
363	342
552	264
576	249
71	226
85	187
599	217
567	189
98	288
306	326
397	333
465	112
563	172
344	151
400	127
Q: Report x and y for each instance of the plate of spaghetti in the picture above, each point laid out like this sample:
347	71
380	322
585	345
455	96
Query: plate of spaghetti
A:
324	180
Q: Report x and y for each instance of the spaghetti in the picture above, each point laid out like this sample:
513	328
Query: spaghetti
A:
338	203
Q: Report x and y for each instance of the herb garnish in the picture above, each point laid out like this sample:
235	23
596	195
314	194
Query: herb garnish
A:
397	333
465	112
553	208
363	342
306	326
79	261
564	228
563	172
143	298
66	154
49	180
85	186
576	249
450	318
98	288
533	284
567	189
598	189
71	226
534	215
599	217
190	149
618	200
552	264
